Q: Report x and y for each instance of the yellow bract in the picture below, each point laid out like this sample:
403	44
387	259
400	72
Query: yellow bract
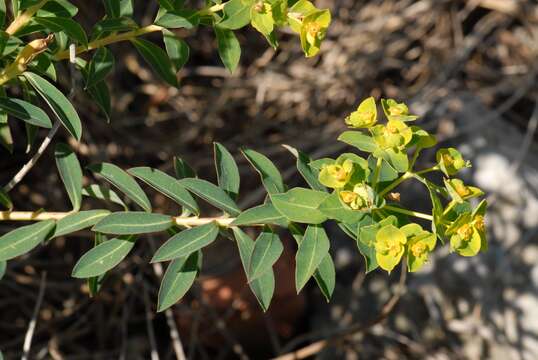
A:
365	116
360	198
335	175
389	246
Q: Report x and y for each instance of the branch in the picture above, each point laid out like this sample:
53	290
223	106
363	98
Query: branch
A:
42	215
23	18
31	326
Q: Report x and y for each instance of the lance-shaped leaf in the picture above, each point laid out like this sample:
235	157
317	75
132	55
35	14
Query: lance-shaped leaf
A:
187	242
25	111
270	175
78	221
176	19
166	185
212	194
68	26
262	214
333	208
227	171
70	173
59	104
157	59
124	182
309	173
301	205
103	193
237	13
101	64
262	287
2	21
182	169
178	279
267	250
24	239
229	48
312	250
103	257
177	49
58	8
133	222
359	140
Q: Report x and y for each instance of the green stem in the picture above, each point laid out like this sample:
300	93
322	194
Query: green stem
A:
111	39
409	212
23	18
433	168
449	207
395	183
414	159
376	172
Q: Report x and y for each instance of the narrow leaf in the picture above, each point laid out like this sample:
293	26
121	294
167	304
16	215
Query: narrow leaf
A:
157	59
237	13
270	175
103	193
70	173
262	214
309	173
24	239
267	250
167	185
227	171
212	194
26	112
182	169
5	200
229	48
78	221
176	19
133	222
312	250
187	242
103	257
59	104
301	205
124	182
101	64
3	267
69	26
178	51
359	140
262	287
178	279
325	276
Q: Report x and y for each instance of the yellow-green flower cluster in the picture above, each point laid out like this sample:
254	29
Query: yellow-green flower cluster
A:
392	243
460	192
450	161
310	23
468	232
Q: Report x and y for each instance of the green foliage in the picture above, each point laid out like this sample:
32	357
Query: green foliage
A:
356	190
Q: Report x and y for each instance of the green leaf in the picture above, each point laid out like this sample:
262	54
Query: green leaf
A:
157	59
166	185
179	19
133	222
103	193
78	221
325	277
69	26
5	200
3	267
312	250
178	279
95	282
309	173
359	140
58	8
110	25
333	208
22	240
25	111
267	250
103	257
124	182
229	48
270	175
101	64
59	104
169	4
178	51
262	214
212	194
187	242
398	159
112	8
366	243
44	65
70	173
100	94
227	171
301	205
6	139
182	169
262	287
236	14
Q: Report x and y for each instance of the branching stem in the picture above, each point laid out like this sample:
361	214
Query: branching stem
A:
409	212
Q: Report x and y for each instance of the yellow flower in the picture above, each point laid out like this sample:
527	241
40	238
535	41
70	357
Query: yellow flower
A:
450	161
419	245
389	246
336	175
396	111
365	116
459	192
313	30
360	198
468	232
395	134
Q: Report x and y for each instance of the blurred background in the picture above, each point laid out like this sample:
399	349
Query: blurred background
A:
468	68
